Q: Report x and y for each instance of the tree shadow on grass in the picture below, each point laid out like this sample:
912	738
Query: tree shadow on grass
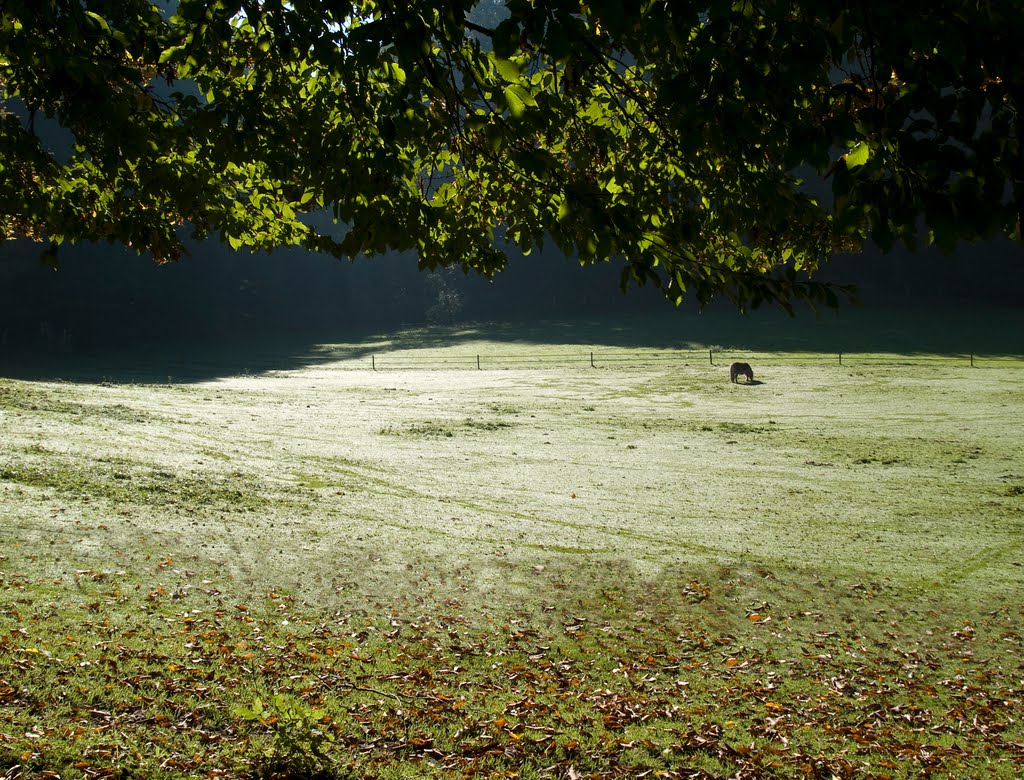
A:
205	357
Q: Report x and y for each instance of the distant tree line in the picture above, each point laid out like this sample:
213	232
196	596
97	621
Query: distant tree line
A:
104	298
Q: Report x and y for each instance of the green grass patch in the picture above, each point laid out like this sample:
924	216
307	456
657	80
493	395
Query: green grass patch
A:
20	397
444	428
124	483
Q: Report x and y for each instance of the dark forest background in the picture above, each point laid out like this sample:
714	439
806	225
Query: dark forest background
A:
104	298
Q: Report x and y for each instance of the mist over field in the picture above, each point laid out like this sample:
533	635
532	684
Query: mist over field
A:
103	300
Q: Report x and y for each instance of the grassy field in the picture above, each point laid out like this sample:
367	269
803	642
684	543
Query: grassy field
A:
306	568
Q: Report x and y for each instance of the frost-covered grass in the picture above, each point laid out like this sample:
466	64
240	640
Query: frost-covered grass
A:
556	569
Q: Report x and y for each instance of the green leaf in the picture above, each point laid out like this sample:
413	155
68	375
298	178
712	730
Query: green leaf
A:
98	20
169	54
495	137
396	72
858	156
507	69
518	99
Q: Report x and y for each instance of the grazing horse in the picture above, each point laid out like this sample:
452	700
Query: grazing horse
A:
741	369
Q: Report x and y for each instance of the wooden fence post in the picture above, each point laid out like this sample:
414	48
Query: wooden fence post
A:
592	360
711	357
373	362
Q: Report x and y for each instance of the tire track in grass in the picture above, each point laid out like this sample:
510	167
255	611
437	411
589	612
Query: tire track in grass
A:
362	479
987	557
502	513
497	541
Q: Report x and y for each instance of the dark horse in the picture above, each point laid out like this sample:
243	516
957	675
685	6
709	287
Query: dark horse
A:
741	369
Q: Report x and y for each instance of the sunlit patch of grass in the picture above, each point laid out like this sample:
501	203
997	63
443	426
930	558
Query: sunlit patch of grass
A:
504	408
124	483
24	397
215	454
444	428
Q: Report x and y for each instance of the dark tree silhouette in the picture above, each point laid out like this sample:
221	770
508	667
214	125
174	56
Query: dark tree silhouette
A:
717	147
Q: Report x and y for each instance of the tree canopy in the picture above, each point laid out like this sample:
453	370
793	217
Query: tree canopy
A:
716	147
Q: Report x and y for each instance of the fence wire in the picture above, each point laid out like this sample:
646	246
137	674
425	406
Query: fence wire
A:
689	358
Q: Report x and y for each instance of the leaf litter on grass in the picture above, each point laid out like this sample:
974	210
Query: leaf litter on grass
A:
107	676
